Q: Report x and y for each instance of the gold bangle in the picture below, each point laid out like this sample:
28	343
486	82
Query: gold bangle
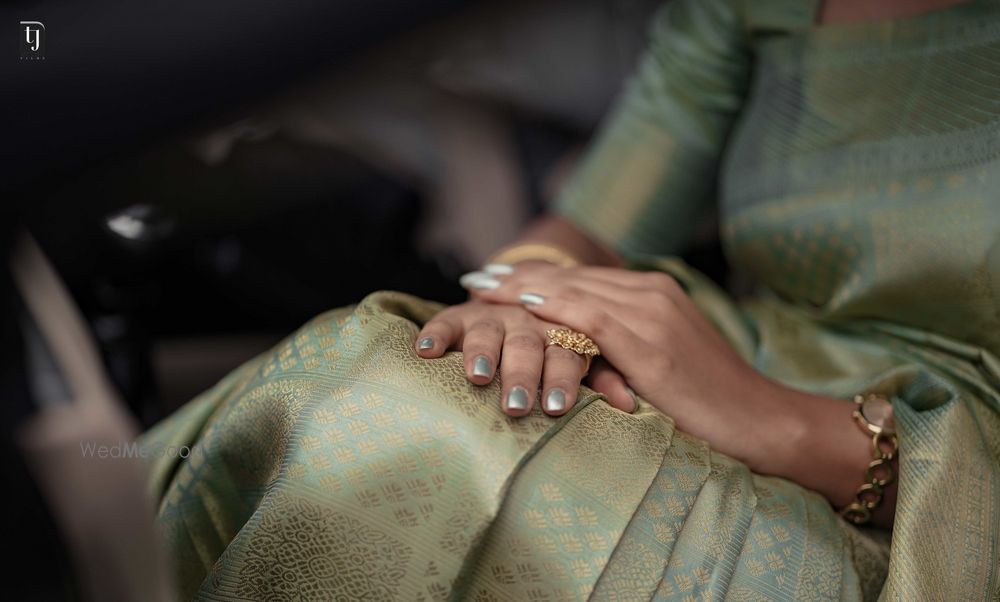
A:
535	251
873	414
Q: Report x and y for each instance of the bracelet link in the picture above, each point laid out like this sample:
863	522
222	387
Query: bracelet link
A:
885	445
857	513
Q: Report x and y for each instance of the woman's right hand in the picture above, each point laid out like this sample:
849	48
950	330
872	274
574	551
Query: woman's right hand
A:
513	339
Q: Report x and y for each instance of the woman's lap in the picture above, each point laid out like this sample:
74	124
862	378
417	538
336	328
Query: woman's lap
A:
342	465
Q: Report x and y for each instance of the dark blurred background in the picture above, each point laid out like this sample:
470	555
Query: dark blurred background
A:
206	176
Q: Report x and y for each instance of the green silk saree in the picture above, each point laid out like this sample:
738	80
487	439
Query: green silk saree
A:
856	168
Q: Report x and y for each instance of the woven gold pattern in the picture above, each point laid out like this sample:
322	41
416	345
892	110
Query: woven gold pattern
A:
858	171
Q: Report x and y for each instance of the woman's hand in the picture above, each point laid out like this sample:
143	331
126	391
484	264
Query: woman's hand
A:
513	339
668	352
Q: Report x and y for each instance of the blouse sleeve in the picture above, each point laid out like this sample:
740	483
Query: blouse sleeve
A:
651	172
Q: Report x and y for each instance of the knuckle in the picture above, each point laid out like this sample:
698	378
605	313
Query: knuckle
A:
662	282
570	386
451	315
597	323
665	364
664	305
554	353
518	370
438	325
523	341
440	316
489	327
521	319
559	361
572	294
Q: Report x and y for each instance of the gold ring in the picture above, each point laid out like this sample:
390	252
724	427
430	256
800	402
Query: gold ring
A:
576	342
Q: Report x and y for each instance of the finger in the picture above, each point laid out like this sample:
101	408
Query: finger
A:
627	286
654	294
636	309
493	275
437	335
498	269
632	278
481	346
598	319
505	289
581	289
479	281
660	298
605	379
570	285
652	289
521	367
560	379
489	277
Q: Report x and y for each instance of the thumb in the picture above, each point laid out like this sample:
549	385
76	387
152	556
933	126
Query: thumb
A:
605	379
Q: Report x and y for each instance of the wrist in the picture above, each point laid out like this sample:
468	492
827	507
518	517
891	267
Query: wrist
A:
830	453
783	440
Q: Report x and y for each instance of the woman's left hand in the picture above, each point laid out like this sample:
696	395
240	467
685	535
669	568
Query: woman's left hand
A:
667	351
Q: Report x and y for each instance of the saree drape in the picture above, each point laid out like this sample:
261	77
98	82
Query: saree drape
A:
856	168
343	467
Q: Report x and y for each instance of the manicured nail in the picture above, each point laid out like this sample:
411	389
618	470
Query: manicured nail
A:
555	401
486	284
481	366
500	269
425	343
532	299
471	277
478	280
517	399
635	399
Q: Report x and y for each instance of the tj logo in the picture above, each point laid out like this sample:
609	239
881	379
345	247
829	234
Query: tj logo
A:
32	35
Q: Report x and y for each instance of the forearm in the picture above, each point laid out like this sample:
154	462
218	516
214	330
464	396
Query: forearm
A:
557	232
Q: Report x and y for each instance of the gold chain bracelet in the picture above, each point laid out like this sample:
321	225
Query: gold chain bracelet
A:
873	413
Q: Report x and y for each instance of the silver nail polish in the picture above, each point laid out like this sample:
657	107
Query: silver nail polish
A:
485	283
555	401
532	299
425	343
500	269
517	399
467	280
481	366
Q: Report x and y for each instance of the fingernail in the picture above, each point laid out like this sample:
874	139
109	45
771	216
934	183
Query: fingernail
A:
517	399
635	399
486	284
500	269
478	280
425	343
481	366
555	401
471	277
532	299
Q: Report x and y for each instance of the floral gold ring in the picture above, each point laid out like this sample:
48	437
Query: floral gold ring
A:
576	342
